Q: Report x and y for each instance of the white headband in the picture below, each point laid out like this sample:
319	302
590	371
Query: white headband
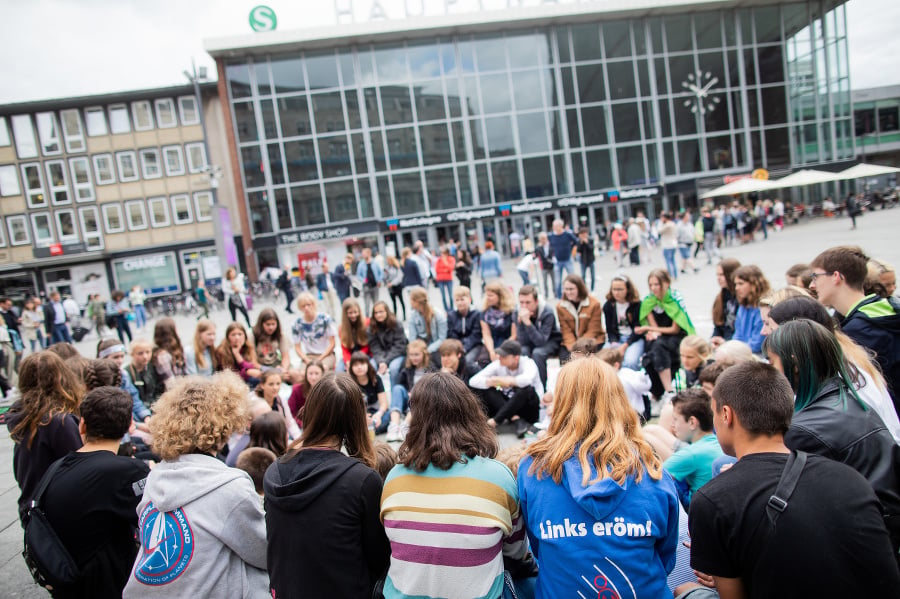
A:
114	349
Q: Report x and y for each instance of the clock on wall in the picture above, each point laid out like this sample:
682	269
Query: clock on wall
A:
700	84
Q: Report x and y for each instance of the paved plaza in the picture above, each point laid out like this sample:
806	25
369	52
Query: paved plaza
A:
877	234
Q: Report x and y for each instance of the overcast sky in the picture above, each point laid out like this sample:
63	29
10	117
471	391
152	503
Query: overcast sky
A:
62	48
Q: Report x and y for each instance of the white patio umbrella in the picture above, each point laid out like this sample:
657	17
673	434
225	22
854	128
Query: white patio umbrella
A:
746	185
805	177
862	171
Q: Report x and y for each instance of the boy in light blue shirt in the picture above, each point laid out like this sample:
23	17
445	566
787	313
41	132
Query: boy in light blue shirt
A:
692	423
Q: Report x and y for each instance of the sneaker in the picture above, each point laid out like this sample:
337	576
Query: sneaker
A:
393	433
522	427
404	430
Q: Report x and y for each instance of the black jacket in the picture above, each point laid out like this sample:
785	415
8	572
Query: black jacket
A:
875	323
407	376
586	252
412	276
49	317
543	330
341	280
467	329
387	344
856	437
632	314
323	527
545	256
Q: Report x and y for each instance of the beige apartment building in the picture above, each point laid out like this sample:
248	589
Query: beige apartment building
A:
110	191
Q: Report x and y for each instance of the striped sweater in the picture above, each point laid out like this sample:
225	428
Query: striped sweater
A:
449	529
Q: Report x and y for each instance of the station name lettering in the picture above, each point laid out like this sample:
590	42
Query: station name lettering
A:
470	214
617	528
422	221
361	11
576	202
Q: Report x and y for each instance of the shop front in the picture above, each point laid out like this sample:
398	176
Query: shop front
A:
157	274
78	280
309	248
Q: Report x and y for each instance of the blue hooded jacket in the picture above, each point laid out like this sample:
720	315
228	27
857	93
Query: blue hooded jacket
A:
604	540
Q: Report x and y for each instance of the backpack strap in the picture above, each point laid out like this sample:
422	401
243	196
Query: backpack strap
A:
778	502
45	481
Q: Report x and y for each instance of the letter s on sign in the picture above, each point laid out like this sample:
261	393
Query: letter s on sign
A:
262	18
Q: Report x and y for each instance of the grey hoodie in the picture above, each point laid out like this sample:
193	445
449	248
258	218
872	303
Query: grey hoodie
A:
202	533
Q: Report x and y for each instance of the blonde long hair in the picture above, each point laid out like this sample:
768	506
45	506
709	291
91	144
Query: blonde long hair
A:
593	417
203	325
418	299
505	300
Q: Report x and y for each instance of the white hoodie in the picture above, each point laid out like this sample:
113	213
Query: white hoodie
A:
202	532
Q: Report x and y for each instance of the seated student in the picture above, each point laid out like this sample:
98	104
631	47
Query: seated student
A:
498	319
143	376
664	322
112	349
272	345
580	315
749	286
510	386
352	331
240	441
313	333
268	390
636	382
363	374
200	356
830	540
255	461
536	329
314	372
622	313
236	354
464	325
691	465
385	458
387	341
694	352
417	365
452	361
91	499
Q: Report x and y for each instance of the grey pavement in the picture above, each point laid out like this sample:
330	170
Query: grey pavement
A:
877	233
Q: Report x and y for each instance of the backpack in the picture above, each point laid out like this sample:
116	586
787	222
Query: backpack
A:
48	560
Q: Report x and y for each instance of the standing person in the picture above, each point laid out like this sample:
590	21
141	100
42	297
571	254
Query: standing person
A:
324	535
412	275
708	222
200	356
619	237
464	325
387	341
325	287
489	265
393	279
31	326
586	258
685	235
829	417
750	284
562	244
536	329
137	297
853	209
313	333
734	536
515	244
443	274
372	276
55	320
635	237
544	254
622	314
202	298
37	315
498	317
725	307
664	323
91	499
120	308
425	322
43	423
201	526
455	490
97	309
464	268
580	315
838	275
595	475
668	236
341	278
778	212
284	284
234	291
510	386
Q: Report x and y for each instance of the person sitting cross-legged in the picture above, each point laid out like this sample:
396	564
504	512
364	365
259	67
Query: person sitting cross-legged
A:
510	386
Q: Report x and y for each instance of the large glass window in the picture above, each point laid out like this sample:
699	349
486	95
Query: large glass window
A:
402	147
626	122
300	159
287	75
95	120
34	185
72	131
65	226
599	169
500	136
408	194
334	154
586	41
593	123
90	227
590	83
396	104
81	179
254	170
505	175
23	132
435	144
308	207
533	132
293	114
118	119
495	93
9	181
245	120
538	177
441	189
260	215
322	70
340	197
621	80
329	112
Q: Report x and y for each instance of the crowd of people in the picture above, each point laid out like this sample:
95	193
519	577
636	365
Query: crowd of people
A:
654	463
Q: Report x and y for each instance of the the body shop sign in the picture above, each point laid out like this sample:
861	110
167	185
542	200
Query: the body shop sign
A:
157	274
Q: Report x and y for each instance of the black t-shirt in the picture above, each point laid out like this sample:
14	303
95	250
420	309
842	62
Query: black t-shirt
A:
662	319
829	542
91	504
371	391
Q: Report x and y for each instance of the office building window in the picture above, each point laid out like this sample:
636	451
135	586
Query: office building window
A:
23	132
18	230
203	204
112	218
58	182
150	163
104	169
159	212
181	209
187	108
118	119
136	213
43	230
142	114
81	179
4	132
48	132
72	130
196	157
9	181
95	121
165	113
34	185
127	162
90	227
65	225
174	160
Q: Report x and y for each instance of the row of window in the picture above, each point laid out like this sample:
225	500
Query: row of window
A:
153	162
98	120
61	226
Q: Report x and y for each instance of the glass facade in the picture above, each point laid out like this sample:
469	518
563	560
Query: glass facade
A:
399	129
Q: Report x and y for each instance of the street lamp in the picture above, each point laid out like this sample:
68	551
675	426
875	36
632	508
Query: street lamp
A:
219	213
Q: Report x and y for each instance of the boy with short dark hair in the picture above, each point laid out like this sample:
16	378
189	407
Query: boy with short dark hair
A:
255	461
692	423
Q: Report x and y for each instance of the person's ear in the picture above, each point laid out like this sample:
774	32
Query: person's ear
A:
728	416
82	427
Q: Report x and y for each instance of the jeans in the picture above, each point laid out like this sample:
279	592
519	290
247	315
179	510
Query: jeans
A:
634	256
381	426
446	290
61	333
633	353
524	275
288	298
140	315
399	399
394	369
558	268
540	355
370	296
669	255
709	245
588	268
548	282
